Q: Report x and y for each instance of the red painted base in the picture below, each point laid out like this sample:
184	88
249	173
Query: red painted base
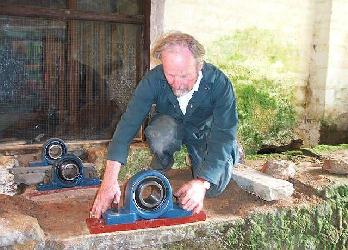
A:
97	226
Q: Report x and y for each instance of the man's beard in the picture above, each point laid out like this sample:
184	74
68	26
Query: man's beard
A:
180	92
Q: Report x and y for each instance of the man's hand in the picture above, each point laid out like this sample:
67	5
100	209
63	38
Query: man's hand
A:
191	195
109	190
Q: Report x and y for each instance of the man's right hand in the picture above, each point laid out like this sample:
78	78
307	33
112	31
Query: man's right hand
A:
109	190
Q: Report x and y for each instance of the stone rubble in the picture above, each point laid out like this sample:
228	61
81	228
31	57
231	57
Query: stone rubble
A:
336	164
280	169
7	184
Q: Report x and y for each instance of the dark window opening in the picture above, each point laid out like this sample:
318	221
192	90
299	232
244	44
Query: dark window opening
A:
70	79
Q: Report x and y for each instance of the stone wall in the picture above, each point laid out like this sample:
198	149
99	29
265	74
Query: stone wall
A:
7	184
318	30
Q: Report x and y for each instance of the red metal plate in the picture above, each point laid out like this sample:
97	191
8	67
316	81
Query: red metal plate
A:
97	226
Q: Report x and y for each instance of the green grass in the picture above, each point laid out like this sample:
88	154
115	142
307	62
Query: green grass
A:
140	158
319	149
180	159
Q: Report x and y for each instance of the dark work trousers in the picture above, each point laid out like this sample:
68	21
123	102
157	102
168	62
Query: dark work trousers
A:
164	136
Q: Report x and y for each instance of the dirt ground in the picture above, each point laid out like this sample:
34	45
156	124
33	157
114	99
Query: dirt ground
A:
62	214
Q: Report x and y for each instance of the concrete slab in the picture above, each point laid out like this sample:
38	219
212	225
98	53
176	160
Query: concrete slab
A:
206	233
262	185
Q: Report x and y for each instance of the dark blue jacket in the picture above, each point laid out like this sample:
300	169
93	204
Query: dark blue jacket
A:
210	119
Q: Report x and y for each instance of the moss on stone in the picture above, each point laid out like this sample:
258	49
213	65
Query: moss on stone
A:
321	226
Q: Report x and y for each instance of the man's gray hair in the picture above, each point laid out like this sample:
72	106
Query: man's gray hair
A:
175	38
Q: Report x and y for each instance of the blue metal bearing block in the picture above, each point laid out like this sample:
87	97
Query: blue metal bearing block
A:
148	195
53	150
67	172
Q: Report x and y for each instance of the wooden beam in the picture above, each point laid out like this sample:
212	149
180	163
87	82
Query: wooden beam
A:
146	29
68	14
8	148
14	147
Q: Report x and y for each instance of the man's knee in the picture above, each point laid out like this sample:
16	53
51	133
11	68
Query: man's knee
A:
162	134
163	137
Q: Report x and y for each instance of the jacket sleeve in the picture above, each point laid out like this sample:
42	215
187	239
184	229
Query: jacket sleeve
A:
137	109
221	142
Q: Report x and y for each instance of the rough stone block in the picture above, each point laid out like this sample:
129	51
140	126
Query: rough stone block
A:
5	177
7	185
10	189
337	164
31	175
280	169
262	185
21	232
30	178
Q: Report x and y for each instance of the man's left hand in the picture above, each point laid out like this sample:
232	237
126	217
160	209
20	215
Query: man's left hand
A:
191	195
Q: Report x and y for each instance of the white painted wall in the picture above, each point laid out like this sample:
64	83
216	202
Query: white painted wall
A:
336	91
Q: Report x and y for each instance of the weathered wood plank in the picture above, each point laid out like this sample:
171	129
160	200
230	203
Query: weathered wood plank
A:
67	14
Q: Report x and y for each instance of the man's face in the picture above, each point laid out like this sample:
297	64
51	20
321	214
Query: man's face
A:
180	69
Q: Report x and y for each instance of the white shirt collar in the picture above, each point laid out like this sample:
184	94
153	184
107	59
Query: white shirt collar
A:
184	99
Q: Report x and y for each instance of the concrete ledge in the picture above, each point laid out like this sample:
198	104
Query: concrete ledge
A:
149	238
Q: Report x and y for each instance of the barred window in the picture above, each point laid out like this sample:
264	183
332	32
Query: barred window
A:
69	68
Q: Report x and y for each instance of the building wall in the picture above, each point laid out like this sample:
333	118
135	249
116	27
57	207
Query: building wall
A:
336	94
316	28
